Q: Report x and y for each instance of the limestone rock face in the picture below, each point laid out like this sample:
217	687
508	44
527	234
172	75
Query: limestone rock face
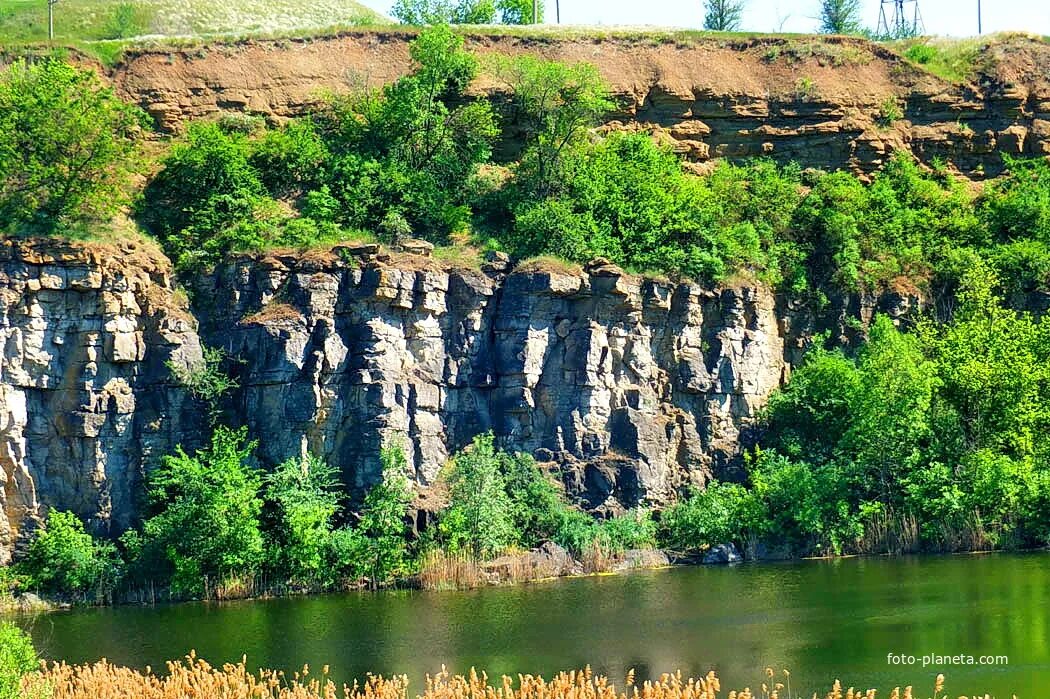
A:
632	388
627	389
86	403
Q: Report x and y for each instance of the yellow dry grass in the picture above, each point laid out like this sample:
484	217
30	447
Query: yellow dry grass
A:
193	678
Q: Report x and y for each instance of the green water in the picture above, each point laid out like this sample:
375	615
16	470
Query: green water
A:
821	619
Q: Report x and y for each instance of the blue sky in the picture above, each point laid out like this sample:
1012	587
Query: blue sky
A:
945	17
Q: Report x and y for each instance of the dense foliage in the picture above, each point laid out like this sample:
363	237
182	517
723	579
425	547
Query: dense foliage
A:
934	439
17	658
219	526
65	559
67	147
423	157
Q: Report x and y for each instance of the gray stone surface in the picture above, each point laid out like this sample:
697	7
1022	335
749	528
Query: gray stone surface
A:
86	400
630	389
721	554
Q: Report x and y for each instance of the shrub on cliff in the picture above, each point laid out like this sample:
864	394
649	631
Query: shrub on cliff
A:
63	558
67	147
409	147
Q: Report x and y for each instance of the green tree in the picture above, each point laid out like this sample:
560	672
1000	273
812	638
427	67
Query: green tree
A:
536	505
382	525
890	431
207	528
304	494
423	12
17	658
555	105
723	15
478	518
840	16
67	147
64	558
520	11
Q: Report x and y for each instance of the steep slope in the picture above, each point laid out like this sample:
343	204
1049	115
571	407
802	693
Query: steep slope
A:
825	102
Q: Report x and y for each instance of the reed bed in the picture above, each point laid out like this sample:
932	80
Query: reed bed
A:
193	678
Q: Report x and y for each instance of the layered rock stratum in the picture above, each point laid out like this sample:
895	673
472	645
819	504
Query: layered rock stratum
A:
822	101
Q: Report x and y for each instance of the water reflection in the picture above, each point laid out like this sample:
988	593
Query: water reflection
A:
822	619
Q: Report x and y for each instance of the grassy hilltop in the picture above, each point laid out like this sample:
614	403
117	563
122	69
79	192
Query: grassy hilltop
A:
89	20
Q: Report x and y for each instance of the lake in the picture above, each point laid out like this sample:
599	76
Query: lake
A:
822	619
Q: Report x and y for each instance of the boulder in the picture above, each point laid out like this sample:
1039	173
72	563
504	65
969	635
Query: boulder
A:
415	246
721	554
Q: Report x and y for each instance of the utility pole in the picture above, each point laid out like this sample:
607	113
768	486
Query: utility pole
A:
535	11
51	19
557	11
979	17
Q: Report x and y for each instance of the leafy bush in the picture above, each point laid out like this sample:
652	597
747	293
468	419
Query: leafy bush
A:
290	158
67	147
304	495
63	558
632	530
720	513
206	186
17	658
207	527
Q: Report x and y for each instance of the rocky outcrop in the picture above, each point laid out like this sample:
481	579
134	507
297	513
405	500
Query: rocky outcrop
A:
628	389
825	102
86	401
634	387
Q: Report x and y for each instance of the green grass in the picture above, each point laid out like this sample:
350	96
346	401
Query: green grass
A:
956	60
24	21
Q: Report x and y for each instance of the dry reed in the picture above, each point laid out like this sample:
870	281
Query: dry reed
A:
439	570
193	678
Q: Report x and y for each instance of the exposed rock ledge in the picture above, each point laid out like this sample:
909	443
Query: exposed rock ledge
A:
629	388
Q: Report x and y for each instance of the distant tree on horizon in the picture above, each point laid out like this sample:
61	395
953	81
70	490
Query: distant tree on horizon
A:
840	16
723	15
427	12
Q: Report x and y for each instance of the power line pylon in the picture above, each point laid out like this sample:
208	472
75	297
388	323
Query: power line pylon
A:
895	19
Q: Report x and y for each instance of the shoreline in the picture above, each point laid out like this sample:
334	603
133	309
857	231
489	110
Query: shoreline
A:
12	606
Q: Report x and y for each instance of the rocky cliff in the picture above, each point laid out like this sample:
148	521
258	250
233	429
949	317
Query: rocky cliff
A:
826	102
628	388
87	403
